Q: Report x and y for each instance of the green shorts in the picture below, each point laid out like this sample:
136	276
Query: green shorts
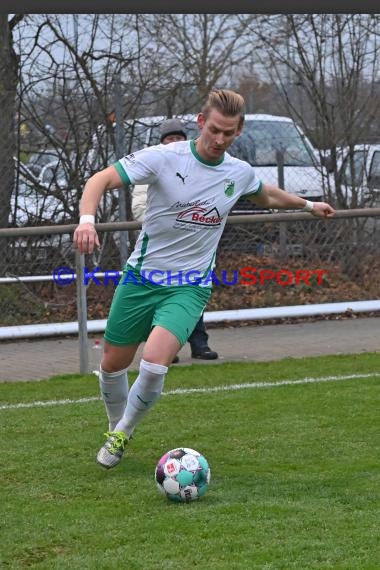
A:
137	307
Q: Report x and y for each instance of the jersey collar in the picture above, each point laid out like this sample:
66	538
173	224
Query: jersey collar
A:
202	160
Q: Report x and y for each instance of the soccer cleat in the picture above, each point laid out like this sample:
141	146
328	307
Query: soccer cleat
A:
112	451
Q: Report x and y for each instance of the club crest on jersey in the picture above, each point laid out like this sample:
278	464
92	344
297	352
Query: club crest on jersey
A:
229	188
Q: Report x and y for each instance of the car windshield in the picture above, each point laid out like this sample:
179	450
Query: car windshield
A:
137	134
191	129
260	140
141	134
258	144
43	158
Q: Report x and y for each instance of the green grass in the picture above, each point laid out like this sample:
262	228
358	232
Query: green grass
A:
295	478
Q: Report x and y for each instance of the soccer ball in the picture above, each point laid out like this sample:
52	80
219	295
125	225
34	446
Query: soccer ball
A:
182	474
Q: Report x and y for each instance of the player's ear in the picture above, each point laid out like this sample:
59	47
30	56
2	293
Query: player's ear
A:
201	120
240	127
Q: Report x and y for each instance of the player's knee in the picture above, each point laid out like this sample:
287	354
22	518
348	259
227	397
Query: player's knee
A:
115	359
159	359
110	366
113	362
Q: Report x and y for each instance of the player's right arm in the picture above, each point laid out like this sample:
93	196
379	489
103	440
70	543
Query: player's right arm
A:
85	236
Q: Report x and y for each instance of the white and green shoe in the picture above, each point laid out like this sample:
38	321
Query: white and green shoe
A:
112	451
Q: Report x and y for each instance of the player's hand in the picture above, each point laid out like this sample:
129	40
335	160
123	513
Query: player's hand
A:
86	239
322	210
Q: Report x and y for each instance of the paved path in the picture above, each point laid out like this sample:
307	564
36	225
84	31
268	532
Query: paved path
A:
38	359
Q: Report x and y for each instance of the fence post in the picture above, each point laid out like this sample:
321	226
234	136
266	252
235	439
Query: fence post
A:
82	313
123	192
281	184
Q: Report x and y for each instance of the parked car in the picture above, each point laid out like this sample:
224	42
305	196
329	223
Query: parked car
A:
357	171
360	169
264	140
37	197
53	168
47	188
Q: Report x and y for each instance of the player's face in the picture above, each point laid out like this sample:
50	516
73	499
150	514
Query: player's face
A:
218	132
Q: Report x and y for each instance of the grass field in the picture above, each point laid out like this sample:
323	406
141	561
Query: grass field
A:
295	471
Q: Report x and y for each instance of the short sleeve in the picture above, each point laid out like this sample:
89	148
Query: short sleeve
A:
141	167
254	184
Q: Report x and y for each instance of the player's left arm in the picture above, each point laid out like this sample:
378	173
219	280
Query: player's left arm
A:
271	196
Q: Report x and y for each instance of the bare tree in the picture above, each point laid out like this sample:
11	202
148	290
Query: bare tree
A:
9	67
197	52
73	66
67	98
326	67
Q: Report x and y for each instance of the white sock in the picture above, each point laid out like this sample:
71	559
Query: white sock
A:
114	392
144	392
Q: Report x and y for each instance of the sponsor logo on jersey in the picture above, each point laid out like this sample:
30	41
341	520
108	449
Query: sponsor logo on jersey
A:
198	216
189	204
229	188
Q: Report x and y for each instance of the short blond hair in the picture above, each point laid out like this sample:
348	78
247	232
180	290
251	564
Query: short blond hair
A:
228	103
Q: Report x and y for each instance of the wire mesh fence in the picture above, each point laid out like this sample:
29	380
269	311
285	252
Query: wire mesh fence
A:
263	260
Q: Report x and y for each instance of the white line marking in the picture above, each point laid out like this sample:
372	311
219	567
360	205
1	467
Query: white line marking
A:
46	403
208	390
231	387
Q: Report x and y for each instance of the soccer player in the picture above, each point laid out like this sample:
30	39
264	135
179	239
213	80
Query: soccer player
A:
173	130
164	287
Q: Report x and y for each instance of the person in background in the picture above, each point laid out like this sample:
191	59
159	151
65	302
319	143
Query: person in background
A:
179	237
173	130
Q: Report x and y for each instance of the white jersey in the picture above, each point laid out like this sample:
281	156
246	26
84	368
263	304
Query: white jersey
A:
188	201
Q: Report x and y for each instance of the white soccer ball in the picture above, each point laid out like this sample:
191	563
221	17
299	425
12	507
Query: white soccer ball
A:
182	474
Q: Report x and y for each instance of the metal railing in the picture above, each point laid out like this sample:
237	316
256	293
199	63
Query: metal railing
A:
347	244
